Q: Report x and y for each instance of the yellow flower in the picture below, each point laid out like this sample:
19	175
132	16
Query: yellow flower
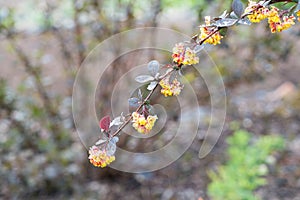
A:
274	14
170	89
142	124
184	55
298	15
278	24
288	21
190	57
256	12
206	30
99	157
213	39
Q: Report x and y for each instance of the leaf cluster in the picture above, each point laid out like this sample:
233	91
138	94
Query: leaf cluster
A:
244	171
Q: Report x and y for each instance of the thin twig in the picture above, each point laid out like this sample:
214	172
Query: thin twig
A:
141	105
78	33
32	70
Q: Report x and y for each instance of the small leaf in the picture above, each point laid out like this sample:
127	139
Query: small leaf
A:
180	72
145	110
224	15
115	139
140	95
116	122
144	78
150	110
153	67
237	7
223	31
122	117
133	102
104	123
111	148
233	15
198	48
225	22
245	21
156	76
152	85
100	141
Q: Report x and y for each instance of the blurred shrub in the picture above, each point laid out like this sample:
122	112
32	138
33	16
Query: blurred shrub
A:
242	173
33	161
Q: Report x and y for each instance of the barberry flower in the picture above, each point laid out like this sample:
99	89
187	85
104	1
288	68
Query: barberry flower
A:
278	24
206	30
256	12
184	55
298	15
170	89
288	21
142	124
99	157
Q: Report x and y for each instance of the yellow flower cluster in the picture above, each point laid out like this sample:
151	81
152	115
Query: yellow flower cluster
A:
257	12
99	157
214	39
275	22
142	124
298	15
206	30
184	55
170	89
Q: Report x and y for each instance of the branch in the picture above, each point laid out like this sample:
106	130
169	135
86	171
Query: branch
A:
78	33
200	43
141	105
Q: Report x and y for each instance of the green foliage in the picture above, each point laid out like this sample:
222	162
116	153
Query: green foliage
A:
6	19
243	172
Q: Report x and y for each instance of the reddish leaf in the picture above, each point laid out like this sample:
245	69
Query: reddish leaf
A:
104	123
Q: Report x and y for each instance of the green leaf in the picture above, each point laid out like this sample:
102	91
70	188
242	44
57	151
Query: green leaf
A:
223	31
244	172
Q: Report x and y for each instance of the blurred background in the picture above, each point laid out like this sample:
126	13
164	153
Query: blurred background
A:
41	157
